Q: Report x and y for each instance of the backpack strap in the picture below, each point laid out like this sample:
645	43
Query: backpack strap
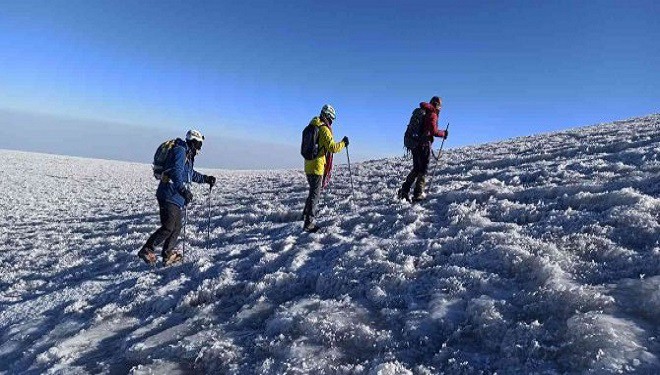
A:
322	125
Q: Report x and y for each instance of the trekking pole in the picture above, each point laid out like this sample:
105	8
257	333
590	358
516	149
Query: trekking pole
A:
350	174
208	232
437	158
185	221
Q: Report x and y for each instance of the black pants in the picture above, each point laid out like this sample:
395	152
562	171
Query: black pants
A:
170	227
421	158
315	184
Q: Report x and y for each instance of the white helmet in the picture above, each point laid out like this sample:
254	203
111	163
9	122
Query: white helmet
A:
329	112
194	135
194	139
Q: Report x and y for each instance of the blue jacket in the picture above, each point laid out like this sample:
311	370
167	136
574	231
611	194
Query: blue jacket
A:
180	173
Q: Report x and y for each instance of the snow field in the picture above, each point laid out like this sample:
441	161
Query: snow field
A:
535	255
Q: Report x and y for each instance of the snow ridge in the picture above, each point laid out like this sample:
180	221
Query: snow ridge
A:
536	255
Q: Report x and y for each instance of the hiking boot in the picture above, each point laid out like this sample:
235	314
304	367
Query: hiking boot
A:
171	258
311	228
419	188
402	195
309	225
419	197
147	255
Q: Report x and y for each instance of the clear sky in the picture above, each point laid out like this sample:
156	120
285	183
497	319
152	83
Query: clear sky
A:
261	69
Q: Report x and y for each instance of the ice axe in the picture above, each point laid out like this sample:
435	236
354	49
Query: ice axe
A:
437	158
185	221
208	228
350	174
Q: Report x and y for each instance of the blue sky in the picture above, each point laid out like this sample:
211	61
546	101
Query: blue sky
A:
259	70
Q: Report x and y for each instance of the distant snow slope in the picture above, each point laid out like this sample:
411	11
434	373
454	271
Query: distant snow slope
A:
537	255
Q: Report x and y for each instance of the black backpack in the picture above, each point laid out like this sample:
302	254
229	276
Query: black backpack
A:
413	135
309	147
160	158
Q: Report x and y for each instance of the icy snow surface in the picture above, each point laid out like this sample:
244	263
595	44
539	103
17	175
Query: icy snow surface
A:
536	255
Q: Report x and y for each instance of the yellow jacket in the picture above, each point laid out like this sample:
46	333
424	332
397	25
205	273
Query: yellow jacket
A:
326	144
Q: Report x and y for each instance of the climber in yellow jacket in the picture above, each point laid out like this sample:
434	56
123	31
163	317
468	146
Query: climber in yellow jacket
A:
318	146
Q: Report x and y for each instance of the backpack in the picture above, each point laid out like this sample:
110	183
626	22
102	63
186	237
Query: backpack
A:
413	135
309	147
160	158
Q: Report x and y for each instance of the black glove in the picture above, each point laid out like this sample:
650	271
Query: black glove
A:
210	180
187	195
446	134
345	140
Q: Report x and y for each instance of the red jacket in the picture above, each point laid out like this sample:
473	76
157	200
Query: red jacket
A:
431	121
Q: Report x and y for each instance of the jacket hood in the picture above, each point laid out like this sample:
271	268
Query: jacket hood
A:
180	142
428	107
316	121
